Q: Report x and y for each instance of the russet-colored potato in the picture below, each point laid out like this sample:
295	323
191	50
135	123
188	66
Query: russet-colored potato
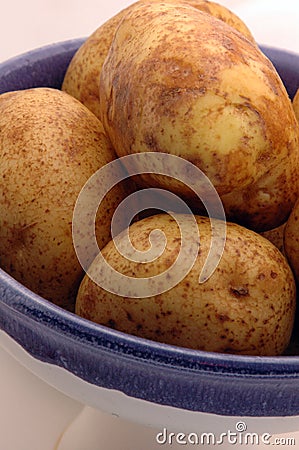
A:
50	145
247	306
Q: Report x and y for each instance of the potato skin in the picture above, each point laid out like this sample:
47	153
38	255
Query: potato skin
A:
179	81
291	240
296	104
82	76
276	236
50	144
246	307
222	13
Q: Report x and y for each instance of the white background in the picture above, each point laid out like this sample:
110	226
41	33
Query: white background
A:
29	24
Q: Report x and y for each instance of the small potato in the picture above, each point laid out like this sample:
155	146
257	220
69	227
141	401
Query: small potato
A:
296	104
276	236
247	306
222	13
181	82
291	240
50	144
82	77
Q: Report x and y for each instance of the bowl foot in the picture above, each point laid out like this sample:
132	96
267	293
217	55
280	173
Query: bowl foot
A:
95	430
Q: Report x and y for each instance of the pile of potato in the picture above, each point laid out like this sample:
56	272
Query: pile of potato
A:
185	78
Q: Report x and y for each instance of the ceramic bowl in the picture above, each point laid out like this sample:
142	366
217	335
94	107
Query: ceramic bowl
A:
135	378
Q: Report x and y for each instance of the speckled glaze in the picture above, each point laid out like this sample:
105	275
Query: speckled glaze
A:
166	375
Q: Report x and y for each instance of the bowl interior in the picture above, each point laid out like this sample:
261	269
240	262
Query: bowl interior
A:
107	358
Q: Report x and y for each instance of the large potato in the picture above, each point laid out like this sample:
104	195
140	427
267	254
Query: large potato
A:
291	240
246	307
179	81
82	77
50	144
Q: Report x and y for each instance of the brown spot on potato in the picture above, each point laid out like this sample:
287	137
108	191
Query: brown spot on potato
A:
129	317
222	317
239	291
111	323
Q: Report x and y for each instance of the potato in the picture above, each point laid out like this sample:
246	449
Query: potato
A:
222	13
50	145
82	77
296	104
179	81
276	236
291	240
247	306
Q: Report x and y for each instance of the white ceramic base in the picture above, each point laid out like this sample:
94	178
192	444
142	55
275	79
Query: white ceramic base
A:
138	411
94	430
35	416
